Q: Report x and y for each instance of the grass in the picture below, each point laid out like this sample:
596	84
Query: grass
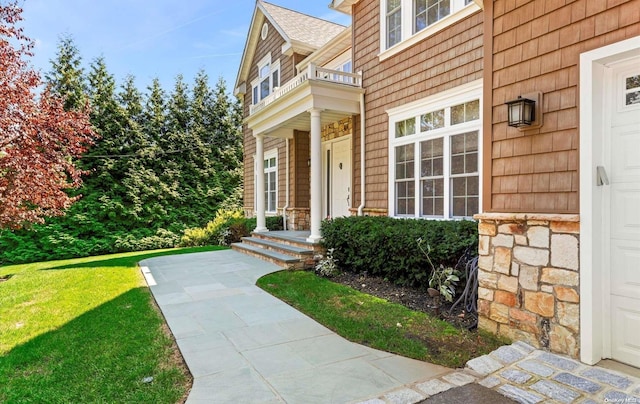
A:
86	330
377	323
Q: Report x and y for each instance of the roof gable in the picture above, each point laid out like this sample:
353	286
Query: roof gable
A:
303	28
302	34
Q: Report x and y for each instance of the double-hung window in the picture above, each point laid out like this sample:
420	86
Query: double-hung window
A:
271	181
393	22
434	151
408	21
268	79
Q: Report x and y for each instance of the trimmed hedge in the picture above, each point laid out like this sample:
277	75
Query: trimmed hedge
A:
388	247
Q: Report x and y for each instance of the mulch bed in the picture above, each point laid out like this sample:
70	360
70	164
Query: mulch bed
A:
413	298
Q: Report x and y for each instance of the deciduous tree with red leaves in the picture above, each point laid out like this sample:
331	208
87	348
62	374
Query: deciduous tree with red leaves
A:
39	140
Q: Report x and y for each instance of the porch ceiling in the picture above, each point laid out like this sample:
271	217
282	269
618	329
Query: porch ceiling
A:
291	112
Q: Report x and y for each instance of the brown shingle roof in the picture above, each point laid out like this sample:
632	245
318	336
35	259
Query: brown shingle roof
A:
303	28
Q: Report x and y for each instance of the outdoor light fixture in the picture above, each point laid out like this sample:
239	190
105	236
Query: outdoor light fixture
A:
521	112
525	112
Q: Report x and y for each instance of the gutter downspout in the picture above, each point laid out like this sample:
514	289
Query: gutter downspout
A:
362	154
286	205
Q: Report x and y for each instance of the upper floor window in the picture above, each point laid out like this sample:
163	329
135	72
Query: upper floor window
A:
427	12
394	22
407	21
268	79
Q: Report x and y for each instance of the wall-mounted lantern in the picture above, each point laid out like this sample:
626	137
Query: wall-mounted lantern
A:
521	112
524	112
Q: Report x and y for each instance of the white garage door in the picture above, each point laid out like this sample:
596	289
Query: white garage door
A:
622	144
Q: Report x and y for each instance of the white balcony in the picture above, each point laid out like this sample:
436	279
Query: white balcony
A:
312	73
334	92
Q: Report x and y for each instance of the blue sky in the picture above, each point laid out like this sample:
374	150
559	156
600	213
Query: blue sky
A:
153	38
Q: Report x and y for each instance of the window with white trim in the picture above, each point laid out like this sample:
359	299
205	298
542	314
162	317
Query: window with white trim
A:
394	22
271	181
434	151
403	19
268	79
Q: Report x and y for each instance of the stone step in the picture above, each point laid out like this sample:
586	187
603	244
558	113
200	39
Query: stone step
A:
277	258
288	239
298	252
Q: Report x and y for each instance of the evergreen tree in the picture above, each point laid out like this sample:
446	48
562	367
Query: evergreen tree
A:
66	76
227	125
105	159
147	192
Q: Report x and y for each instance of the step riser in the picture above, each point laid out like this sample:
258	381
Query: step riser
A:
317	248
280	250
275	261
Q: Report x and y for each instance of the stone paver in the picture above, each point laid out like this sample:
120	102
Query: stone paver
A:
484	365
555	391
515	376
243	345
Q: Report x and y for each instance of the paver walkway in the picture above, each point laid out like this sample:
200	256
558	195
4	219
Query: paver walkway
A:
243	345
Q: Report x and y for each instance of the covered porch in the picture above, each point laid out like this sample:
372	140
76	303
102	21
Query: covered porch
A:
314	98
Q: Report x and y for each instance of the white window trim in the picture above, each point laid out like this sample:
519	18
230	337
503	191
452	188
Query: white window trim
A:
458	95
459	11
255	84
267	156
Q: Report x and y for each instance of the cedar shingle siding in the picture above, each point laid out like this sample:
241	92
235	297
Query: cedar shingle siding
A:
445	60
536	47
273	43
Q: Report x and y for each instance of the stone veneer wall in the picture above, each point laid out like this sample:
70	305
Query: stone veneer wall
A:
337	129
529	279
369	212
298	219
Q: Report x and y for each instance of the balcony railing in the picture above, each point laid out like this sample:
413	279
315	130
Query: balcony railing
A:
312	72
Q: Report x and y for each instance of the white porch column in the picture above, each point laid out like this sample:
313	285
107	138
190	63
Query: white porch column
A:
316	176
261	225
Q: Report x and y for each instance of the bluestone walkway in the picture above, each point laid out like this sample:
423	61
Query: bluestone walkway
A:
243	345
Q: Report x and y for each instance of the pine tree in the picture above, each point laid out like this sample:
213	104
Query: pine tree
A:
108	117
227	125
147	193
66	76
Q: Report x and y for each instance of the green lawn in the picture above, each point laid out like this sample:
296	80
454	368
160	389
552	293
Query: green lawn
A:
86	330
377	323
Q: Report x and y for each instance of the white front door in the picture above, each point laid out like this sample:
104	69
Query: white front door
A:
337	195
341	178
622	207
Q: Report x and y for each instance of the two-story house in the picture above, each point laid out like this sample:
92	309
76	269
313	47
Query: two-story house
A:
403	114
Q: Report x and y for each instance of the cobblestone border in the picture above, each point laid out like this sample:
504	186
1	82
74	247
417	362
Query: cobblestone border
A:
527	375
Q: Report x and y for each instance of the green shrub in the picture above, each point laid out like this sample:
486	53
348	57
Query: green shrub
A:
228	227
388	247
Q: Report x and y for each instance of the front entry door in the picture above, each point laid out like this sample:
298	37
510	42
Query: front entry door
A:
340	174
622	151
337	189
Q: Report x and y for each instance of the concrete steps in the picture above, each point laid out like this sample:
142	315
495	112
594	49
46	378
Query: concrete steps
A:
286	249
